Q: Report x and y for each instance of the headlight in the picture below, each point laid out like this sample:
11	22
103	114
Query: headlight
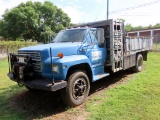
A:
55	68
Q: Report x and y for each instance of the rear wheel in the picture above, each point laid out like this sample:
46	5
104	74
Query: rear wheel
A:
77	89
139	63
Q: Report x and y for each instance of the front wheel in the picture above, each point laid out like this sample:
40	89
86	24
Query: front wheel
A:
139	63
77	89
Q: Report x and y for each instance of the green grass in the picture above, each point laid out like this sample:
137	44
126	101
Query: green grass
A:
138	99
156	46
7	90
5	83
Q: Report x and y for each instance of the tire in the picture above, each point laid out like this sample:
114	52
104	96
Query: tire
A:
139	63
77	89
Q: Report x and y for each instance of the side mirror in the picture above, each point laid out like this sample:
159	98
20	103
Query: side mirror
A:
100	36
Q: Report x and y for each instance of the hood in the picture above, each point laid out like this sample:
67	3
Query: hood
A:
67	49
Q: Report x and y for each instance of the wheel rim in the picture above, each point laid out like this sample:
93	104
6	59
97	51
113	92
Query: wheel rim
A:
140	63
79	88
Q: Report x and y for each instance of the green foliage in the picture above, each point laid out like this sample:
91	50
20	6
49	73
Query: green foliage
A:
139	27
47	35
137	99
2	29
33	20
13	46
129	27
121	19
157	25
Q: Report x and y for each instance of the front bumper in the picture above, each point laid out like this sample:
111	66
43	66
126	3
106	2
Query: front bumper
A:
42	84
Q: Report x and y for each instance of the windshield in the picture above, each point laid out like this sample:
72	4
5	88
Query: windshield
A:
75	35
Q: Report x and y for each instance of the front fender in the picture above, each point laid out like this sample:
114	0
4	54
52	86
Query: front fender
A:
66	62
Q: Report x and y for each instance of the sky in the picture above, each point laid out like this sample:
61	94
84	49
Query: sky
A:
83	11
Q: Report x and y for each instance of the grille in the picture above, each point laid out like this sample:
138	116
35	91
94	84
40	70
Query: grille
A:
36	58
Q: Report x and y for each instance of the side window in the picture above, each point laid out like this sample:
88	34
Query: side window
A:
91	37
94	33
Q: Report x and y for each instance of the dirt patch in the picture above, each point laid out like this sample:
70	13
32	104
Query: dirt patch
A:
48	105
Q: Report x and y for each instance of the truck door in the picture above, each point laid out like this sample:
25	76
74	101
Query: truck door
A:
95	52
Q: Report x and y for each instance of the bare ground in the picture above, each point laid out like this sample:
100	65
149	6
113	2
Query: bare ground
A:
48	105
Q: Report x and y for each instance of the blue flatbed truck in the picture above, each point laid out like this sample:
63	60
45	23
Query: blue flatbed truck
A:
77	57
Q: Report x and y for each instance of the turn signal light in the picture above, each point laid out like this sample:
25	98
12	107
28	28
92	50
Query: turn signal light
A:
60	55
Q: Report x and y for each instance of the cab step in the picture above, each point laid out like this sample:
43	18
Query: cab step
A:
100	76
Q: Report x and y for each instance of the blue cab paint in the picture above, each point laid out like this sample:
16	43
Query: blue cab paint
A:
87	52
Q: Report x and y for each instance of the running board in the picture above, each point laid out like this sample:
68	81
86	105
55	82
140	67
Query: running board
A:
100	76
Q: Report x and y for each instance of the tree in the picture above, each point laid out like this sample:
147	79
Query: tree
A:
31	20
157	25
47	35
121	19
128	27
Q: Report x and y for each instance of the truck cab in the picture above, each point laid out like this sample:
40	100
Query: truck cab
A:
77	57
